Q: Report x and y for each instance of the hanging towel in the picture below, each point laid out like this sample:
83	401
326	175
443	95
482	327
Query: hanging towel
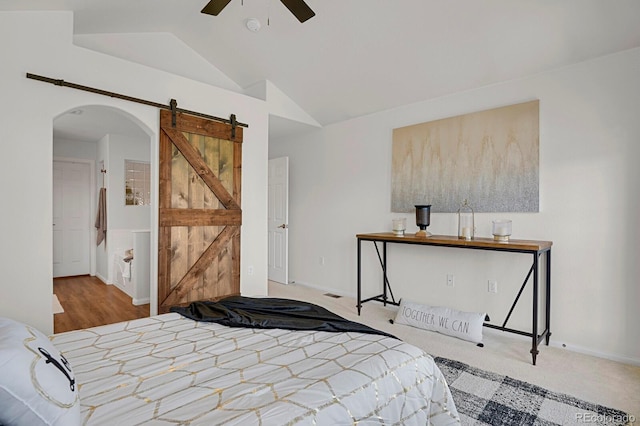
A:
126	271
101	217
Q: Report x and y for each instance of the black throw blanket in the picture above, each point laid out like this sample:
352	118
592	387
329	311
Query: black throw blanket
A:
239	311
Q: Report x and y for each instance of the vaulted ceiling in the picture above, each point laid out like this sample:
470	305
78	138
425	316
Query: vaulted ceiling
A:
356	57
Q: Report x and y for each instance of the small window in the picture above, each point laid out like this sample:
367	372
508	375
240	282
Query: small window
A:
137	182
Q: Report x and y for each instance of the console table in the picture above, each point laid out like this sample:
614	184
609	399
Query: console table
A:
534	248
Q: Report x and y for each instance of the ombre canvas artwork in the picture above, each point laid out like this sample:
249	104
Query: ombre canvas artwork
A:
490	158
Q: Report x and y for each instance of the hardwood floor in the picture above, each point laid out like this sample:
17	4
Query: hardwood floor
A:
88	302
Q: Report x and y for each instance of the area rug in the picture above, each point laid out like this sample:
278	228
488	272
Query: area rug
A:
485	398
57	307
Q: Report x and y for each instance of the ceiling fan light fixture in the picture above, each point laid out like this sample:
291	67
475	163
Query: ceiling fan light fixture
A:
299	8
253	24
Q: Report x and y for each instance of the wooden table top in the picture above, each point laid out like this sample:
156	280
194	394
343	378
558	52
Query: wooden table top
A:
454	241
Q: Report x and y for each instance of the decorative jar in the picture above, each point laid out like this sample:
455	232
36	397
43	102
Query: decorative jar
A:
501	229
466	222
399	226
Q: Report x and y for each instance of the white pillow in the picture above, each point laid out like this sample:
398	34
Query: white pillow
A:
464	325
37	384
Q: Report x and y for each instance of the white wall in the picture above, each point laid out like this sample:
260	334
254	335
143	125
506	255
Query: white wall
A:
121	219
589	153
75	149
41	43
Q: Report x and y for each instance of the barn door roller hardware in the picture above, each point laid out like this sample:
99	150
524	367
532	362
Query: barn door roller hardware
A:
174	108
171	107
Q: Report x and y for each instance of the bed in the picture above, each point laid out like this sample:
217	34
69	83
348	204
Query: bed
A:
169	369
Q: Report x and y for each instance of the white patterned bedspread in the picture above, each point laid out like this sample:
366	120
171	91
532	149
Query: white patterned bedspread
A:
169	370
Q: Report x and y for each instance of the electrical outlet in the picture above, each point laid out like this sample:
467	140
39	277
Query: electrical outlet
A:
450	280
250	270
493	286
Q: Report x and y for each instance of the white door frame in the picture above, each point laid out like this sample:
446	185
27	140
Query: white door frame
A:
92	204
278	220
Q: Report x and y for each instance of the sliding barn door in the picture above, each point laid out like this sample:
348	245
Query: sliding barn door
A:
199	210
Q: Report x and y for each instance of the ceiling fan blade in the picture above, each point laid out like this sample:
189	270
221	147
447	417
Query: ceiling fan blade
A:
300	9
215	6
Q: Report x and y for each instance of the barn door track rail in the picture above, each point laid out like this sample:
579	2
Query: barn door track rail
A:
171	107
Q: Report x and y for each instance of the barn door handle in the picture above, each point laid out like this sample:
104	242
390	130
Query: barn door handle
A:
283	226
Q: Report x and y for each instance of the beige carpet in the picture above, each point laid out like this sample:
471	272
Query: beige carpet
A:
586	377
57	307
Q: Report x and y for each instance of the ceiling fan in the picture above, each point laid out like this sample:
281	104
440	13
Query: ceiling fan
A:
298	7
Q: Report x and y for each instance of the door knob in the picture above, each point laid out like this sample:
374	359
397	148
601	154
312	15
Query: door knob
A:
283	226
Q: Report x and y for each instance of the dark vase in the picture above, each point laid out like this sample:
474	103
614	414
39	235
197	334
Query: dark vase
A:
423	217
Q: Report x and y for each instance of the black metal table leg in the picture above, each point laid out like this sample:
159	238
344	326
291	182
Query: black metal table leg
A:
386	287
384	273
534	331
359	305
548	307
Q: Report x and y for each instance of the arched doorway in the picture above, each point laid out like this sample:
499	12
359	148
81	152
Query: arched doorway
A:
102	139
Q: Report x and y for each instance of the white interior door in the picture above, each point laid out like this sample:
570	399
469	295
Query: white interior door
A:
71	221
278	219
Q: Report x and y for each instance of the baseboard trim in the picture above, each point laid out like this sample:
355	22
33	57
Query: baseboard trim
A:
322	289
103	279
597	354
142	301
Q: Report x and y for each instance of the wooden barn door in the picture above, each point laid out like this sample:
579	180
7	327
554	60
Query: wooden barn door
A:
199	210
